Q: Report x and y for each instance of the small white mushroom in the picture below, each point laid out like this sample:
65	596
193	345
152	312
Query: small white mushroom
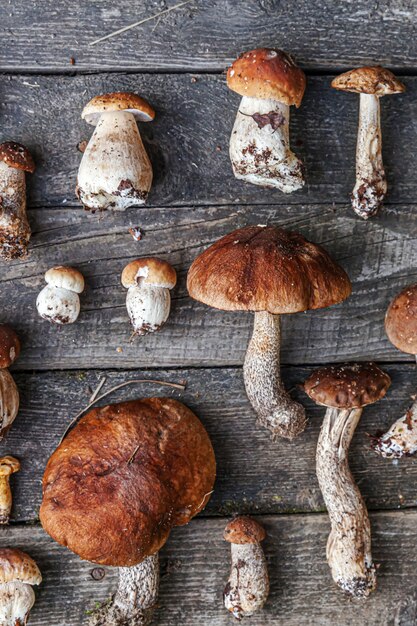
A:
247	589
18	572
9	394
8	466
148	300
59	301
115	171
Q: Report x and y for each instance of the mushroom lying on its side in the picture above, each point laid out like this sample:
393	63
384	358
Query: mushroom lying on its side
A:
59	301
18	572
9	394
8	466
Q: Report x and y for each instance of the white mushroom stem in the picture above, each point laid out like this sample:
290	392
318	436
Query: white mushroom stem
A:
349	544
16	600
371	184
115	171
247	588
148	307
401	439
58	305
14	225
261	371
5	499
259	146
135	598
9	401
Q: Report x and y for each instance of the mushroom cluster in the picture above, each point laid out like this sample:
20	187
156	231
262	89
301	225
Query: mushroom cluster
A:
18	573
59	301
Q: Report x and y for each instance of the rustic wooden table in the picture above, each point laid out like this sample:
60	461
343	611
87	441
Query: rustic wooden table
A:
49	71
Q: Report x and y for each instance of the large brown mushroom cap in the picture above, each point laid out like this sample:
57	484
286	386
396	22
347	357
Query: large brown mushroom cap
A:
267	269
9	346
375	81
124	476
401	320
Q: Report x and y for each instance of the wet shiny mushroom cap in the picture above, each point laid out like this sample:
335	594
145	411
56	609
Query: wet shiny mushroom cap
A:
401	320
9	346
375	81
118	101
17	156
243	529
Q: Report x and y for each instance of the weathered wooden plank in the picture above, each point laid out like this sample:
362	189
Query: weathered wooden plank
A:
204	35
253	474
188	142
195	564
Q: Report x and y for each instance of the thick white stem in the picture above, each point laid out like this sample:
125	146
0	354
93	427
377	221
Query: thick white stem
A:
5	499
262	375
9	401
259	146
371	184
401	439
247	589
115	171
16	600
148	307
349	545
14	225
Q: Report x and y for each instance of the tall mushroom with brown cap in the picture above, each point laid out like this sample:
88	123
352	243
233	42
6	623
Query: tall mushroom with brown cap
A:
15	232
116	486
247	589
269	82
59	301
269	271
8	466
18	572
9	394
401	328
371	83
345	390
115	171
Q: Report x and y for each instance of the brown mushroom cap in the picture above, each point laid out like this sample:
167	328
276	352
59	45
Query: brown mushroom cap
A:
124	476
16	155
348	386
266	73
17	566
244	529
401	320
9	346
9	465
152	271
375	81
65	277
266	269
118	101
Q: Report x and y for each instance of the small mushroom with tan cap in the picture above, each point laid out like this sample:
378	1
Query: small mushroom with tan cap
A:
345	390
15	232
9	394
269	82
269	271
247	589
59	301
401	328
115	171
18	572
8	466
148	301
371	83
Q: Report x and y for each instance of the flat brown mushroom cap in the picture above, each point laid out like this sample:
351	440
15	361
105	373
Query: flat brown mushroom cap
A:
267	269
348	386
376	81
244	529
17	566
124	476
16	155
266	73
401	320
117	101
9	346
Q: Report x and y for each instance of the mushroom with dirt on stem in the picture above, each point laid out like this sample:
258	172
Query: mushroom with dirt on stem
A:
269	82
345	390
371	83
271	272
59	301
247	589
115	170
9	394
18	572
8	466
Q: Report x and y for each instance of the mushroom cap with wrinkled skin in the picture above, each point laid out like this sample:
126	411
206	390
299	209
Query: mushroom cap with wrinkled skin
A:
266	269
124	477
347	386
117	101
9	346
375	81
401	320
16	155
17	566
243	529
154	272
65	278
266	73
9	465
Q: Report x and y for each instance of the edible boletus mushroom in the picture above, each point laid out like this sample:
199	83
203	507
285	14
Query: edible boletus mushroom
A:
59	301
18	572
271	272
401	328
148	301
269	82
115	171
8	466
15	232
9	394
116	486
247	589
371	83
345	390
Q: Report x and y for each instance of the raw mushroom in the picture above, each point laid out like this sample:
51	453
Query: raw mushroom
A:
270	82
120	481
15	232
371	83
247	589
9	394
148	300
269	271
345	390
59	301
18	572
115	171
8	466
401	328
